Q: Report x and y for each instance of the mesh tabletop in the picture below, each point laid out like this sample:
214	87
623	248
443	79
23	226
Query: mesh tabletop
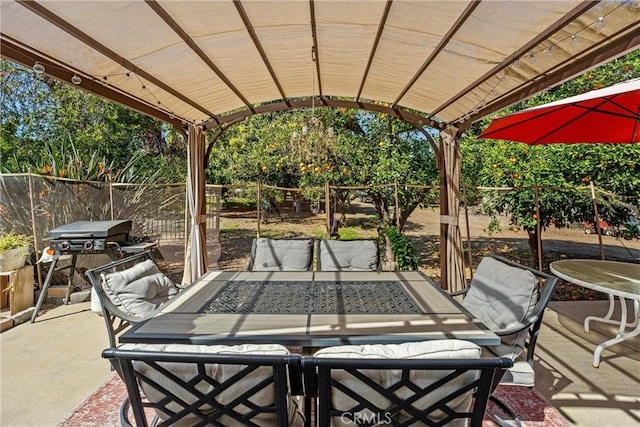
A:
352	297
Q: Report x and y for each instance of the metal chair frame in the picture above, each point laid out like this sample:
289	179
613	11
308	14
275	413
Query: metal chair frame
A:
116	320
207	407
546	285
320	382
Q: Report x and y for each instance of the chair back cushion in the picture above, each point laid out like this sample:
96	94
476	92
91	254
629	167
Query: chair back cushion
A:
139	290
391	378
226	384
348	255
283	254
502	296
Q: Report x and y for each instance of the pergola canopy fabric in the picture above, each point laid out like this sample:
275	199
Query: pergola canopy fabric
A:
199	61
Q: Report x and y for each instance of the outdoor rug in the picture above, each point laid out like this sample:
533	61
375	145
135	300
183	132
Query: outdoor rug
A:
101	408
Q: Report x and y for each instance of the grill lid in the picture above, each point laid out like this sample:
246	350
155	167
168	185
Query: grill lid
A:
91	229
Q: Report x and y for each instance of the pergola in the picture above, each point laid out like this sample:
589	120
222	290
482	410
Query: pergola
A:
202	65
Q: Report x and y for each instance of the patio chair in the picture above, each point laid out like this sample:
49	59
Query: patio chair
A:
130	290
220	385
348	255
281	255
510	299
440	382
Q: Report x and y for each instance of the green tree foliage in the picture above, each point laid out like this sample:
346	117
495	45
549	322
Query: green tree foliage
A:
502	163
402	250
46	124
365	149
396	152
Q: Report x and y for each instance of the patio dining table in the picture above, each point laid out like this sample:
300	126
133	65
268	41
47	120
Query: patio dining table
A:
614	278
310	309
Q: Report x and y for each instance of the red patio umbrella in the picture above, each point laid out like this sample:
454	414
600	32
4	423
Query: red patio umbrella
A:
609	115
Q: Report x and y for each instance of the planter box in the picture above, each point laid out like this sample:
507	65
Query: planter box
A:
13	259
16	290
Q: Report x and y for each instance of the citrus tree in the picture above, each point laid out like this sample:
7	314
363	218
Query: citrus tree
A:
365	149
549	167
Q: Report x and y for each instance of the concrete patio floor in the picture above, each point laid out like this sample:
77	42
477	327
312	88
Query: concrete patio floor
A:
49	367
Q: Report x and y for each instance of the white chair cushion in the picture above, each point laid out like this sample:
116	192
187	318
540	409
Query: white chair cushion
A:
348	255
520	374
437	349
283	254
218	372
502	296
139	290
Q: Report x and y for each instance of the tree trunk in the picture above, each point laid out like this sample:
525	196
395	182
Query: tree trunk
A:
533	245
389	262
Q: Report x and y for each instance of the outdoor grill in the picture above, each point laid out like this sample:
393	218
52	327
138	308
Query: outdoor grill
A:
86	236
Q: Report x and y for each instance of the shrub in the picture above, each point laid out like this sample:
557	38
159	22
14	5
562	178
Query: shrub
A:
405	257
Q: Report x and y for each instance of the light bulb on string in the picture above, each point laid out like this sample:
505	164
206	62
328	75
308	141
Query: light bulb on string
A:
549	51
38	68
532	58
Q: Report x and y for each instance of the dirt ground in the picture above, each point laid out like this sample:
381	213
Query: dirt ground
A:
238	228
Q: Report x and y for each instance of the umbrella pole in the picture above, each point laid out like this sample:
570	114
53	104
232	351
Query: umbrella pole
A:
596	222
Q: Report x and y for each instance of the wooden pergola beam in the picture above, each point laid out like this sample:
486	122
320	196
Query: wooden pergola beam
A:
12	51
398	113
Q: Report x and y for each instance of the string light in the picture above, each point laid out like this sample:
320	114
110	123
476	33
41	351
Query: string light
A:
531	57
38	68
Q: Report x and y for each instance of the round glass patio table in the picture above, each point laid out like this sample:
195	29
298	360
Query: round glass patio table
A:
616	279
